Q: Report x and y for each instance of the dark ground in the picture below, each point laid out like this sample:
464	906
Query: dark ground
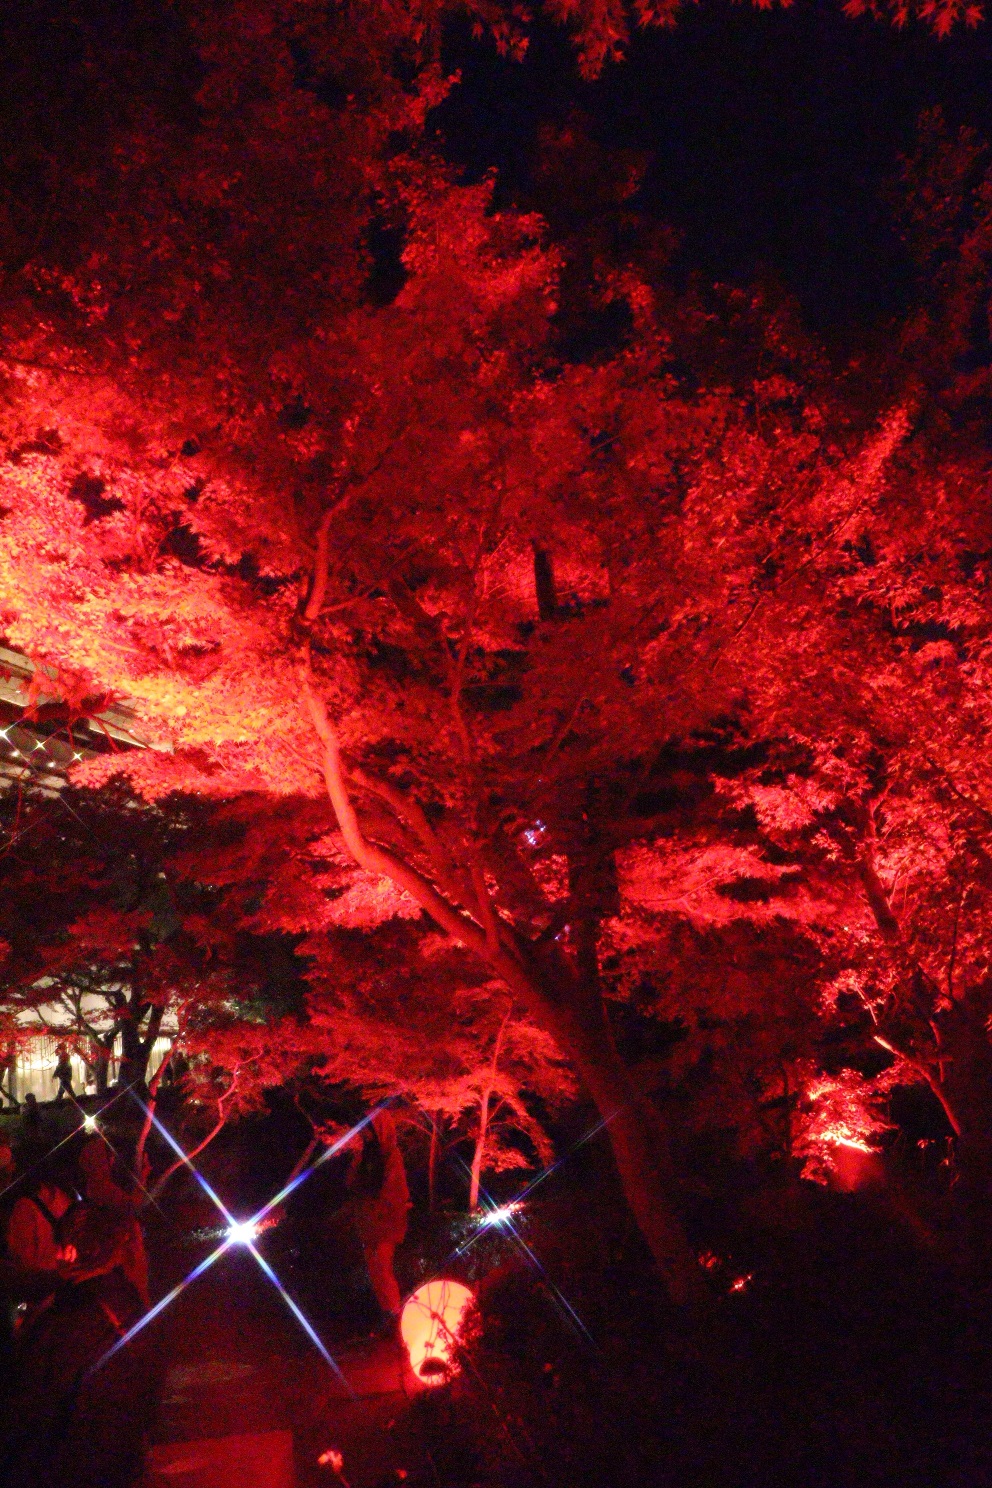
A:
854	1355
240	1364
229	1357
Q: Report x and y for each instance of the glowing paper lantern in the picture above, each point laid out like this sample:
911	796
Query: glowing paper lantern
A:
429	1325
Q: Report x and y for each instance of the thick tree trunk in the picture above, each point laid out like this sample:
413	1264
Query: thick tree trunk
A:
636	1129
968	1088
643	1163
136	1048
134	1054
101	1068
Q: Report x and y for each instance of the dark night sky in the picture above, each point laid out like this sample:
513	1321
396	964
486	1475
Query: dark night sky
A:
771	135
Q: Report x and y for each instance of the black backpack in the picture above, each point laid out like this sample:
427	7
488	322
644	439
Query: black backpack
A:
56	1224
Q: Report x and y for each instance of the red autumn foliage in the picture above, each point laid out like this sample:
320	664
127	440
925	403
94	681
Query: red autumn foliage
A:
582	655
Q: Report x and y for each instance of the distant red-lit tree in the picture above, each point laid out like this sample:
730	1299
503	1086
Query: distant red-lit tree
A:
88	924
92	990
398	1020
101	948
232	1058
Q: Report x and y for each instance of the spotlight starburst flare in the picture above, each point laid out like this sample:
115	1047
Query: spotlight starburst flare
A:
505	1219
242	1233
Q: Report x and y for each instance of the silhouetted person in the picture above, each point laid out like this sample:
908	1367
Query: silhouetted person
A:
107	1185
74	1421
175	1071
380	1201
31	1123
63	1074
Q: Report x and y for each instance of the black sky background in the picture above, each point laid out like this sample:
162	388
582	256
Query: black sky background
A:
771	134
772	137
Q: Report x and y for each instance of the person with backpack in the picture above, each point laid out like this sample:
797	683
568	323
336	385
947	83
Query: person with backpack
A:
78	1408
33	1247
379	1202
32	1242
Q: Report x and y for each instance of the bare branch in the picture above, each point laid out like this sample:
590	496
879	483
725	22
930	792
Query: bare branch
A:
187	1160
453	918
369	855
928	1076
352	484
410	811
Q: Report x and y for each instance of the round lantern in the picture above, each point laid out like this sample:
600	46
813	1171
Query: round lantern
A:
429	1325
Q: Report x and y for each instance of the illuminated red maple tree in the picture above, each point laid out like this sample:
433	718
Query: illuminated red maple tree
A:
567	647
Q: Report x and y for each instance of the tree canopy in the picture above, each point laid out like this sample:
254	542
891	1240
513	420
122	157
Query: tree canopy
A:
513	674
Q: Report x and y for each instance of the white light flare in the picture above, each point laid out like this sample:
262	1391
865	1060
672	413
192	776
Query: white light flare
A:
160	1306
244	1232
503	1216
241	1232
500	1217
